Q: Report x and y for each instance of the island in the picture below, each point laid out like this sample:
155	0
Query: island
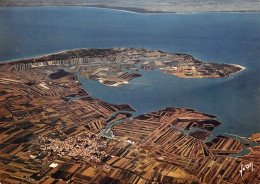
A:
52	130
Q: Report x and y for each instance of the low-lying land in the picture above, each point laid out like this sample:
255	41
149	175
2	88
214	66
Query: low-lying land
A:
118	66
152	6
48	137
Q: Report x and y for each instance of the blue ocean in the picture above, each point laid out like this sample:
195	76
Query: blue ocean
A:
214	37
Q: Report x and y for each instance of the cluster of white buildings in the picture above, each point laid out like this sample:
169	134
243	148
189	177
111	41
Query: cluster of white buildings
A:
84	147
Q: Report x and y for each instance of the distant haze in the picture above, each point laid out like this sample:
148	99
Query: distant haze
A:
152	6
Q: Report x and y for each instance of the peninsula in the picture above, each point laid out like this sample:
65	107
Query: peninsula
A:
117	66
46	136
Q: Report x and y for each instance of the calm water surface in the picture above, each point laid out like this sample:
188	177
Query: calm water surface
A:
216	37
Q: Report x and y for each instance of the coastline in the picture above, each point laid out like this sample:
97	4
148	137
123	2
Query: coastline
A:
147	12
239	66
25	60
242	68
139	11
88	52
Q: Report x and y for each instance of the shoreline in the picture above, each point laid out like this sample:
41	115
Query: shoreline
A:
25	60
139	11
149	12
239	66
242	67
